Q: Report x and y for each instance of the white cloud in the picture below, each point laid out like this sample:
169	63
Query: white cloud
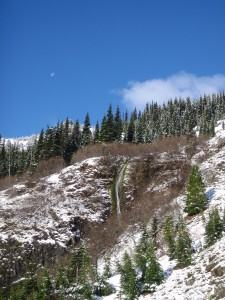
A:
52	74
178	85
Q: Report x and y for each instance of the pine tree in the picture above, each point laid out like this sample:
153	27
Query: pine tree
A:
154	230
118	124
183	245
154	273
97	133
61	281
80	266
3	160
76	135
103	131
110	129
196	200
214	227
86	133
140	252
131	127
128	278
45	286
169	236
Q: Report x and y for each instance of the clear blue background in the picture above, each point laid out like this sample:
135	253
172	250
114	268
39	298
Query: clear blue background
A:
94	48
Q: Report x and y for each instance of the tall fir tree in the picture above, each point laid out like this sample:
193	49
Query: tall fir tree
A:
140	252
103	131
214	227
196	200
128	280
183	245
97	133
170	236
154	273
110	128
118	125
86	133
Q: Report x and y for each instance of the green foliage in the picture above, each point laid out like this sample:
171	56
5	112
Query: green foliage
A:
25	289
102	287
140	253
80	266
147	264
214	227
61	282
86	134
118	125
44	287
183	245
128	278
154	230
169	236
172	119
196	200
97	133
153	273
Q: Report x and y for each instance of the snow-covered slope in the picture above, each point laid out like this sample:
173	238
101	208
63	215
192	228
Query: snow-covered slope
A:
205	278
51	205
22	142
40	221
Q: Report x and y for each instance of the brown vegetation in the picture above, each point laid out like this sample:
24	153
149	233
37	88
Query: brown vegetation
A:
169	144
44	168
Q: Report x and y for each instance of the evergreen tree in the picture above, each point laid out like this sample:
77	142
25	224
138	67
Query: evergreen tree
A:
103	288
86	133
109	129
169	236
103	131
125	127
128	278
154	273
45	287
131	127
140	253
3	160
76	135
154	230
183	245
214	227
80	266
61	281
118	124
97	133
196	200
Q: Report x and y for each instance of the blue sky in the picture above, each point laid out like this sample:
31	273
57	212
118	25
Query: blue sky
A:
63	58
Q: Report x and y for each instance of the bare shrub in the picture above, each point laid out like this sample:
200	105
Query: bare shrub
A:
168	144
44	168
47	167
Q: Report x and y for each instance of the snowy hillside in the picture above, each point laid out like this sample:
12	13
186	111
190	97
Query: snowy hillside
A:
49	207
205	278
104	201
22	142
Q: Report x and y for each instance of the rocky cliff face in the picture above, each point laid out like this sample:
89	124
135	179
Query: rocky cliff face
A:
205	277
41	221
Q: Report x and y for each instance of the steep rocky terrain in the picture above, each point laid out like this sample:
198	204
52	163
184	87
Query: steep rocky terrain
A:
205	278
42	220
